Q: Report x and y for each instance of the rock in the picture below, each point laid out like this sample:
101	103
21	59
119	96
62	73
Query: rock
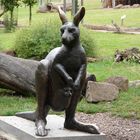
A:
42	9
119	6
91	59
120	82
137	85
136	5
134	84
97	91
126	6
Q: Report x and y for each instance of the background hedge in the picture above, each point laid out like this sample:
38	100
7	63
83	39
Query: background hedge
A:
37	41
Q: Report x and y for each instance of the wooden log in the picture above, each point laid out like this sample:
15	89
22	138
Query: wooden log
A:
111	28
17	74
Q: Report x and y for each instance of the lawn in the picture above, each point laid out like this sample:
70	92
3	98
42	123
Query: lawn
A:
128	103
105	17
9	105
6	40
106	68
108	43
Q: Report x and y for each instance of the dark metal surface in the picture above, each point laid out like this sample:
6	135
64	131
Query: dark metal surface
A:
60	78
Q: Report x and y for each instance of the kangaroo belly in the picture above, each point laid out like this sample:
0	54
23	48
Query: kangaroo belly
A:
61	99
59	92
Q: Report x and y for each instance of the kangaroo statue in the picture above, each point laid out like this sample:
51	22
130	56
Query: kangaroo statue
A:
60	79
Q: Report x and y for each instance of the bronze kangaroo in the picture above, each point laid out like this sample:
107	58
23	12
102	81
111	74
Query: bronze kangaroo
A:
60	78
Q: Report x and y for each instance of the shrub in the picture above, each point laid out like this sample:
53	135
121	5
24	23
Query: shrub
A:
88	41
37	41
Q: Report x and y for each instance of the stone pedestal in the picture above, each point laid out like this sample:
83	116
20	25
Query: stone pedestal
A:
22	129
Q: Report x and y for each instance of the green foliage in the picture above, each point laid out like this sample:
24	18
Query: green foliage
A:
29	2
9	23
88	42
9	6
38	40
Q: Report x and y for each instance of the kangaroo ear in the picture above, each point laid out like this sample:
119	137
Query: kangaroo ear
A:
62	15
79	16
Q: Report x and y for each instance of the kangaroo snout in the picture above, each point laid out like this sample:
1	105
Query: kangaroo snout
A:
66	39
67	92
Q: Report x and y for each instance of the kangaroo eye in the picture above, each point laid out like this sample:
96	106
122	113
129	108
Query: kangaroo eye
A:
71	30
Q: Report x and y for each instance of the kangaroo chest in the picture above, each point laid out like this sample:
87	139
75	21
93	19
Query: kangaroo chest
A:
70	60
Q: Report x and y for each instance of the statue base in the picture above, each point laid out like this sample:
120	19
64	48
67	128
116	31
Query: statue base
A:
22	129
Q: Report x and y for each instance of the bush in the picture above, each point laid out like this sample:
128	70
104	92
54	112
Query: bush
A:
88	41
37	41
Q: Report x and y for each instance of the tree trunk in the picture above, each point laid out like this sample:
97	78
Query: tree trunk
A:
11	18
30	14
3	12
17	74
65	5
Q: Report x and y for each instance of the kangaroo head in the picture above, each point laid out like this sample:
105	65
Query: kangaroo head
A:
70	30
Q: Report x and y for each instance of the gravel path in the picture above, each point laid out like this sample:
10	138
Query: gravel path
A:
115	127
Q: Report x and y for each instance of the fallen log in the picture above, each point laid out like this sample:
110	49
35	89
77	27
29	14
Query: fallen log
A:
17	74
51	7
110	28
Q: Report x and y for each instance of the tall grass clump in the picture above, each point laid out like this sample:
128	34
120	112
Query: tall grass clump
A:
38	40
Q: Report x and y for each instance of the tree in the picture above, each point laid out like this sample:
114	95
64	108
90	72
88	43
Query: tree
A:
74	7
30	3
9	5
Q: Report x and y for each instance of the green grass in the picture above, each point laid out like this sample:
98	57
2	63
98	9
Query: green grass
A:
105	16
92	4
107	68
6	40
23	16
9	105
108	43
127	105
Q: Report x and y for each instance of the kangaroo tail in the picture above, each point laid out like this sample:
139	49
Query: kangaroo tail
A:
30	115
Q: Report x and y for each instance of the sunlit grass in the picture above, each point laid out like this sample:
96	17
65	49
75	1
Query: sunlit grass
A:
107	68
105	17
9	105
108	43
